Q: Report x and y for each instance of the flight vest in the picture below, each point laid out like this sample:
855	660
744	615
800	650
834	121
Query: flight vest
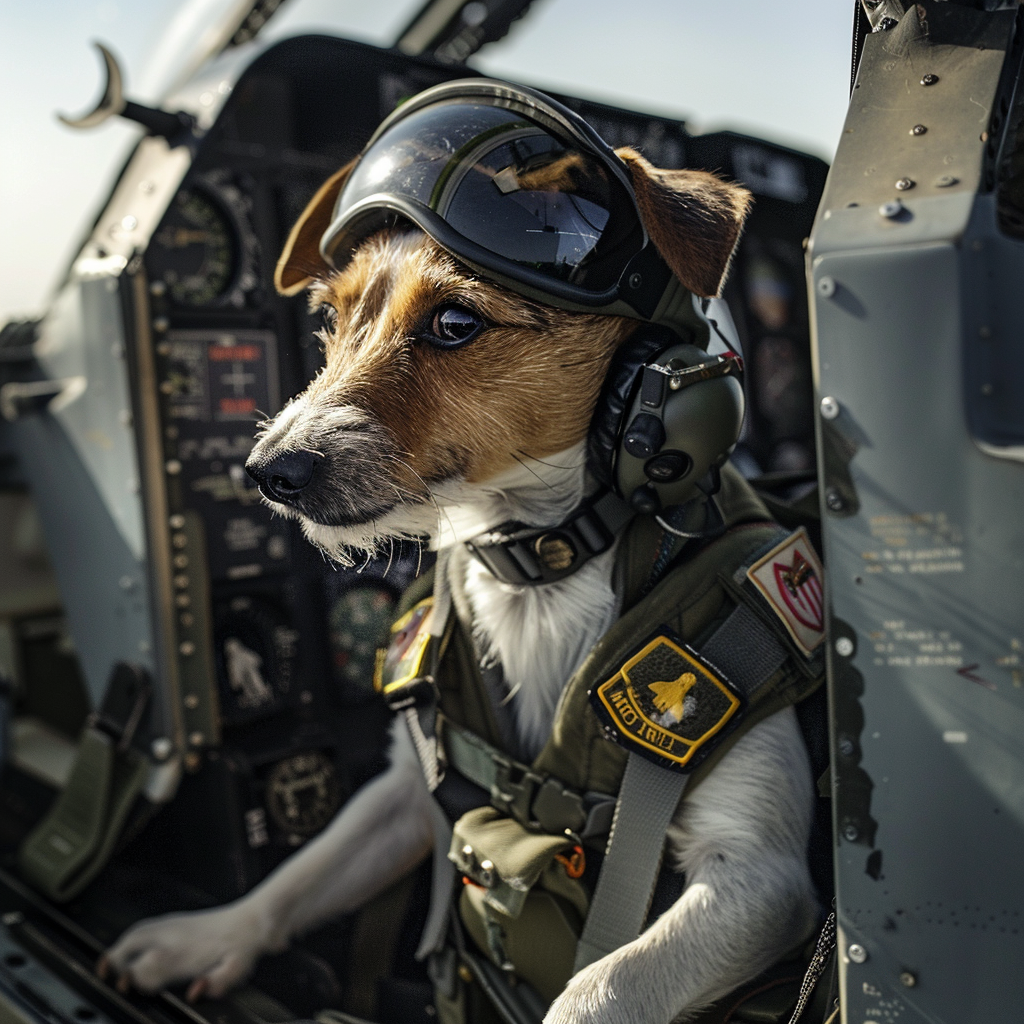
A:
529	840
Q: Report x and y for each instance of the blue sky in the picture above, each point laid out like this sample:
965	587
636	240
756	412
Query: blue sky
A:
749	65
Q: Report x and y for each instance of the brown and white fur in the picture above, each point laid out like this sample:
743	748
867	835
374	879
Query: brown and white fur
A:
413	440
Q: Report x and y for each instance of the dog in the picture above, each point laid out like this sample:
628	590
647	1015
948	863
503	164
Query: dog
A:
402	437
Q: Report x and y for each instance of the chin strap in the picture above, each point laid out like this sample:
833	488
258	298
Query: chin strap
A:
529	555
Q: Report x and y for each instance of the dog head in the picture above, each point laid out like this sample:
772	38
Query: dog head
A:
444	391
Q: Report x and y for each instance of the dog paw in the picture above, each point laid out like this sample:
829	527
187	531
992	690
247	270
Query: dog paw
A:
602	994
212	949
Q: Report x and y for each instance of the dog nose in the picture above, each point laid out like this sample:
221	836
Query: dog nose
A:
284	477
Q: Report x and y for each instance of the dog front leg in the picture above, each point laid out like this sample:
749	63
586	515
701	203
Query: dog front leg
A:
741	839
378	836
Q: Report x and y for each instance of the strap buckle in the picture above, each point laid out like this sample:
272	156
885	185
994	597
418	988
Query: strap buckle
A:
513	789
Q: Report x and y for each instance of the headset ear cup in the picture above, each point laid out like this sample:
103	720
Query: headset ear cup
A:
606	425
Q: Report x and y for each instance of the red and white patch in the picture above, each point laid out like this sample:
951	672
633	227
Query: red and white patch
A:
791	581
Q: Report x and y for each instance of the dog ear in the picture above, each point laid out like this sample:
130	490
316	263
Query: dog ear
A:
300	261
694	219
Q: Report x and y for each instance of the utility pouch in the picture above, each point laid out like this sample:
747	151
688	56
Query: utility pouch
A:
71	844
522	901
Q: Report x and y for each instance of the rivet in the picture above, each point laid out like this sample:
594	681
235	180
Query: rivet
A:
846	746
834	500
891	209
918	129
191	701
851	833
465	973
181	581
467	850
857	953
929	79
177	521
675	383
826	287
186	648
126	583
635	280
173	467
161	748
179	540
182	600
945	180
829	407
903	184
160	324
129	223
844	647
187	619
987	389
180	561
157	288
166	387
196	739
907	979
163	349
486	865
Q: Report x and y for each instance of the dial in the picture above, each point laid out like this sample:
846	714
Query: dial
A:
358	621
194	251
303	793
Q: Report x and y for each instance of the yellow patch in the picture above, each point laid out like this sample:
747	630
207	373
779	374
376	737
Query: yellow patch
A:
404	659
666	703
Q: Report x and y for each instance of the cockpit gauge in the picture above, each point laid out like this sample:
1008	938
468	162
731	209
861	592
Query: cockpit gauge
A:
303	793
193	251
204	251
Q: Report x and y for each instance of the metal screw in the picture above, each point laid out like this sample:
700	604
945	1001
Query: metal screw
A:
846	746
851	833
857	953
829	407
826	287
918	129
834	500
904	184
908	980
844	647
161	748
891	209
635	280
929	79
467	850
945	180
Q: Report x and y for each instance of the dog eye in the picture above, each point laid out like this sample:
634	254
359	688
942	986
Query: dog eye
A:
453	326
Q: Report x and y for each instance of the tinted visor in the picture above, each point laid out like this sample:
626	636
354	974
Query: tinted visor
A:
470	171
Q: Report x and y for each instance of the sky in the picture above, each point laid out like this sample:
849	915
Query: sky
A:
748	65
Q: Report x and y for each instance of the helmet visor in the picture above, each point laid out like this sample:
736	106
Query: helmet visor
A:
489	175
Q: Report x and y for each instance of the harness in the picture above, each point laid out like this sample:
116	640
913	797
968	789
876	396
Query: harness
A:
553	864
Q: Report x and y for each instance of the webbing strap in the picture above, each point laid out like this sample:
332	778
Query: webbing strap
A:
747	653
442	886
648	798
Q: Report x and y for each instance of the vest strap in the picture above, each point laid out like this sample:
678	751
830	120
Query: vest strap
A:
748	654
536	801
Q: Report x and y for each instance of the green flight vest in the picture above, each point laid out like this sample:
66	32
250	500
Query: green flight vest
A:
525	899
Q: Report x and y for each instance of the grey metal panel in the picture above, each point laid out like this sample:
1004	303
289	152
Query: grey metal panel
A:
926	583
102	582
82	339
